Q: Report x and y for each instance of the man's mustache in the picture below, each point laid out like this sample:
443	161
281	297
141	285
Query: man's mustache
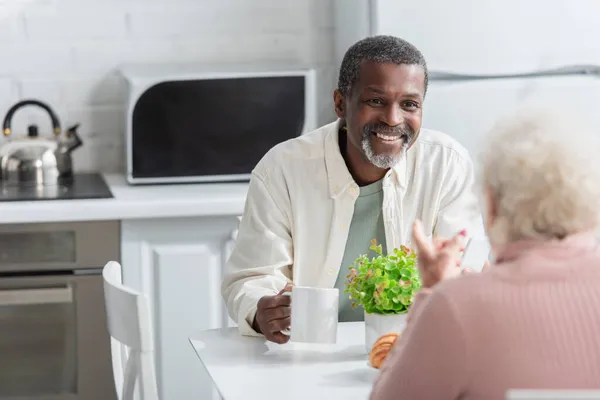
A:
388	130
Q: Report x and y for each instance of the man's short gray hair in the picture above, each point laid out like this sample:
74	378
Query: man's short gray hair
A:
379	49
542	168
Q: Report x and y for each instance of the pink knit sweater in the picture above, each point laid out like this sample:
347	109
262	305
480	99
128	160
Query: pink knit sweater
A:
531	321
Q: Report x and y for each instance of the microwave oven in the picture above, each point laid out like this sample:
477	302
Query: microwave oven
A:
189	123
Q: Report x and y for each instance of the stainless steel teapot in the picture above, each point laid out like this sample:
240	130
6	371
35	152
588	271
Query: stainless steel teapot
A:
33	159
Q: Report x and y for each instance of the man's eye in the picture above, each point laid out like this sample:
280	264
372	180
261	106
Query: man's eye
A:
377	102
411	104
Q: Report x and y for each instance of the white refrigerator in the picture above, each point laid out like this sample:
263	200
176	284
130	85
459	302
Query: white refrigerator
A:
487	57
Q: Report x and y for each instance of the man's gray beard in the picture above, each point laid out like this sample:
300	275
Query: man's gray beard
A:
381	160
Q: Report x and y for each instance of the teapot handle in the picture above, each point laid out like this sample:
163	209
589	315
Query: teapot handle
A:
6	128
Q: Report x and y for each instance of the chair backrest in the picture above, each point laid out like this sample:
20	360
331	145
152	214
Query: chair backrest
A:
132	347
535	394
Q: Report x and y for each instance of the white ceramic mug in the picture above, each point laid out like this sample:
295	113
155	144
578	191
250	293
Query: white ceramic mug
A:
314	315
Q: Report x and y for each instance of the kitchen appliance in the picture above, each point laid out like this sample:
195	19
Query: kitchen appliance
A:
206	123
34	159
79	186
55	343
486	58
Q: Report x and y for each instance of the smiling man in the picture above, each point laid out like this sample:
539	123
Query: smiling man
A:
316	202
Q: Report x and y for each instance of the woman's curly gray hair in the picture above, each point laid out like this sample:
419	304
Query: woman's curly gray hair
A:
542	170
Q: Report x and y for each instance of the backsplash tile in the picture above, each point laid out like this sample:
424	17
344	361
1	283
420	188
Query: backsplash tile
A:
9	94
11	29
94	90
26	58
66	52
48	91
58	23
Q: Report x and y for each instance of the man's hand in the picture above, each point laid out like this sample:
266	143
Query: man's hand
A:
273	316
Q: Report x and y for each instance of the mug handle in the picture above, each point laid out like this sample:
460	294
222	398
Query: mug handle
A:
287	331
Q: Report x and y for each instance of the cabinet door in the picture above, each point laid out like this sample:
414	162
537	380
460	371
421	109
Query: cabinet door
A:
179	264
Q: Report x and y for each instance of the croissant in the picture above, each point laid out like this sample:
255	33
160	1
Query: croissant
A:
381	348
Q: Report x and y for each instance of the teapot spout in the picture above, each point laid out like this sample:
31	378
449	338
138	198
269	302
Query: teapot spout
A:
73	139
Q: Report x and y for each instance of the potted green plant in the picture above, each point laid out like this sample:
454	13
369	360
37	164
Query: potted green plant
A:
384	286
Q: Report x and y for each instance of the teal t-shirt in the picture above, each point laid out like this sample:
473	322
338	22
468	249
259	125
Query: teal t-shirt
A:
367	224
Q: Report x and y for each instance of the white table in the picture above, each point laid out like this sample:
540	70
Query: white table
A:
252	368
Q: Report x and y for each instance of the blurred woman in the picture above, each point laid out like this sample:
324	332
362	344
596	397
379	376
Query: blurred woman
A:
531	320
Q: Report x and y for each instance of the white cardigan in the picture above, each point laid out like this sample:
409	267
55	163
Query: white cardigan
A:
300	204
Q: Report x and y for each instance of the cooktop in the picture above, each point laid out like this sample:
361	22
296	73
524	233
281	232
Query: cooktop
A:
79	186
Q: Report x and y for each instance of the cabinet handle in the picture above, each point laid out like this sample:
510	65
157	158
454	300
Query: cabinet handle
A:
22	297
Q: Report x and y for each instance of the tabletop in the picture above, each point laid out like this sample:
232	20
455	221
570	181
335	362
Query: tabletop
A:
251	368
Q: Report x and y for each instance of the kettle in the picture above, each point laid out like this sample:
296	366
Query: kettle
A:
36	160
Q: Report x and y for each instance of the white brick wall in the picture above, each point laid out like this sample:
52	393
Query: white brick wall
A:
65	52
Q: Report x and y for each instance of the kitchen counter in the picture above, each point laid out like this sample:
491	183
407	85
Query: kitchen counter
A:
133	202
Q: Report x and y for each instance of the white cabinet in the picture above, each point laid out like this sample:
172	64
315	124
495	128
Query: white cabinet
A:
179	263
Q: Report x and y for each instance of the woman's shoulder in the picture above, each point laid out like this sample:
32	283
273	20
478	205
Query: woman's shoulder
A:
467	288
469	281
501	285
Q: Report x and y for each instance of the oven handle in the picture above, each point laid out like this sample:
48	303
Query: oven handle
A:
22	297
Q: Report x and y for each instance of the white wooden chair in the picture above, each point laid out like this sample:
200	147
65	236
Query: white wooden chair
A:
132	346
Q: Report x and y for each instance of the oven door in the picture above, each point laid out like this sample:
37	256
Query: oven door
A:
53	342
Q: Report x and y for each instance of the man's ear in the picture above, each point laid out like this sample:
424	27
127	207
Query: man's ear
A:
339	104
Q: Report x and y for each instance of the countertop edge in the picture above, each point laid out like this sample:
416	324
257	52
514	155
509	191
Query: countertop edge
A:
133	202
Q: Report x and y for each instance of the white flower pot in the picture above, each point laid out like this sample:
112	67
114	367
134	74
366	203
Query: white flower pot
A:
377	325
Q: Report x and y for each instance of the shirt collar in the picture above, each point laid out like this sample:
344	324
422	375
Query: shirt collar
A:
337	172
